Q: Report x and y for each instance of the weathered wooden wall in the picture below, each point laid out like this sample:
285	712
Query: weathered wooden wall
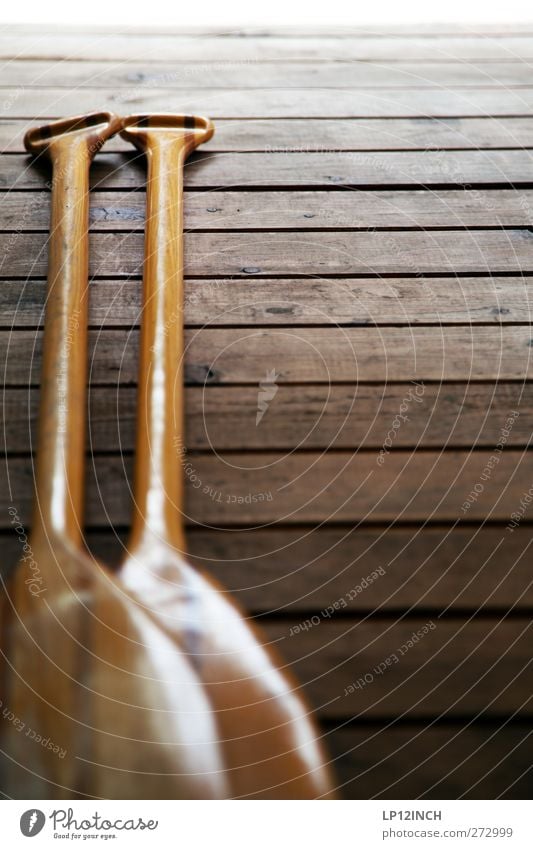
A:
361	224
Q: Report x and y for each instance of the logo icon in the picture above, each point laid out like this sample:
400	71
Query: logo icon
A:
32	822
267	392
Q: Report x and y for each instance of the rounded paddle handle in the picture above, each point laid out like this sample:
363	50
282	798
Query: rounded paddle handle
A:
70	144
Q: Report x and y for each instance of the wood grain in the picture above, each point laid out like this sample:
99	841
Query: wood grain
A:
135	76
450	761
285	254
435	677
277	103
308	487
272	302
299	210
293	571
300	169
353	134
301	355
306	416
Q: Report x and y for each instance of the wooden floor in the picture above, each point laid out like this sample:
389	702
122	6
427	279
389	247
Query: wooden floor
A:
360	259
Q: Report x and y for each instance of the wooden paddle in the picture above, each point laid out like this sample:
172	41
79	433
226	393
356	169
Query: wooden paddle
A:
96	700
268	742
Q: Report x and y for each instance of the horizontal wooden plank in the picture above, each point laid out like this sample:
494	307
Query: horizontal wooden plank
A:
472	761
256	488
310	417
302	210
300	355
288	254
275	103
284	570
263	301
329	170
303	571
457	668
138	47
342	134
297	103
138	77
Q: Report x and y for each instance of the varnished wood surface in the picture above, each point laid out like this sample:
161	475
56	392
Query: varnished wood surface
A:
67	668
367	191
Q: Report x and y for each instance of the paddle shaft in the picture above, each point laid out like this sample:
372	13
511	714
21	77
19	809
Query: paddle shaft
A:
61	442
158	489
